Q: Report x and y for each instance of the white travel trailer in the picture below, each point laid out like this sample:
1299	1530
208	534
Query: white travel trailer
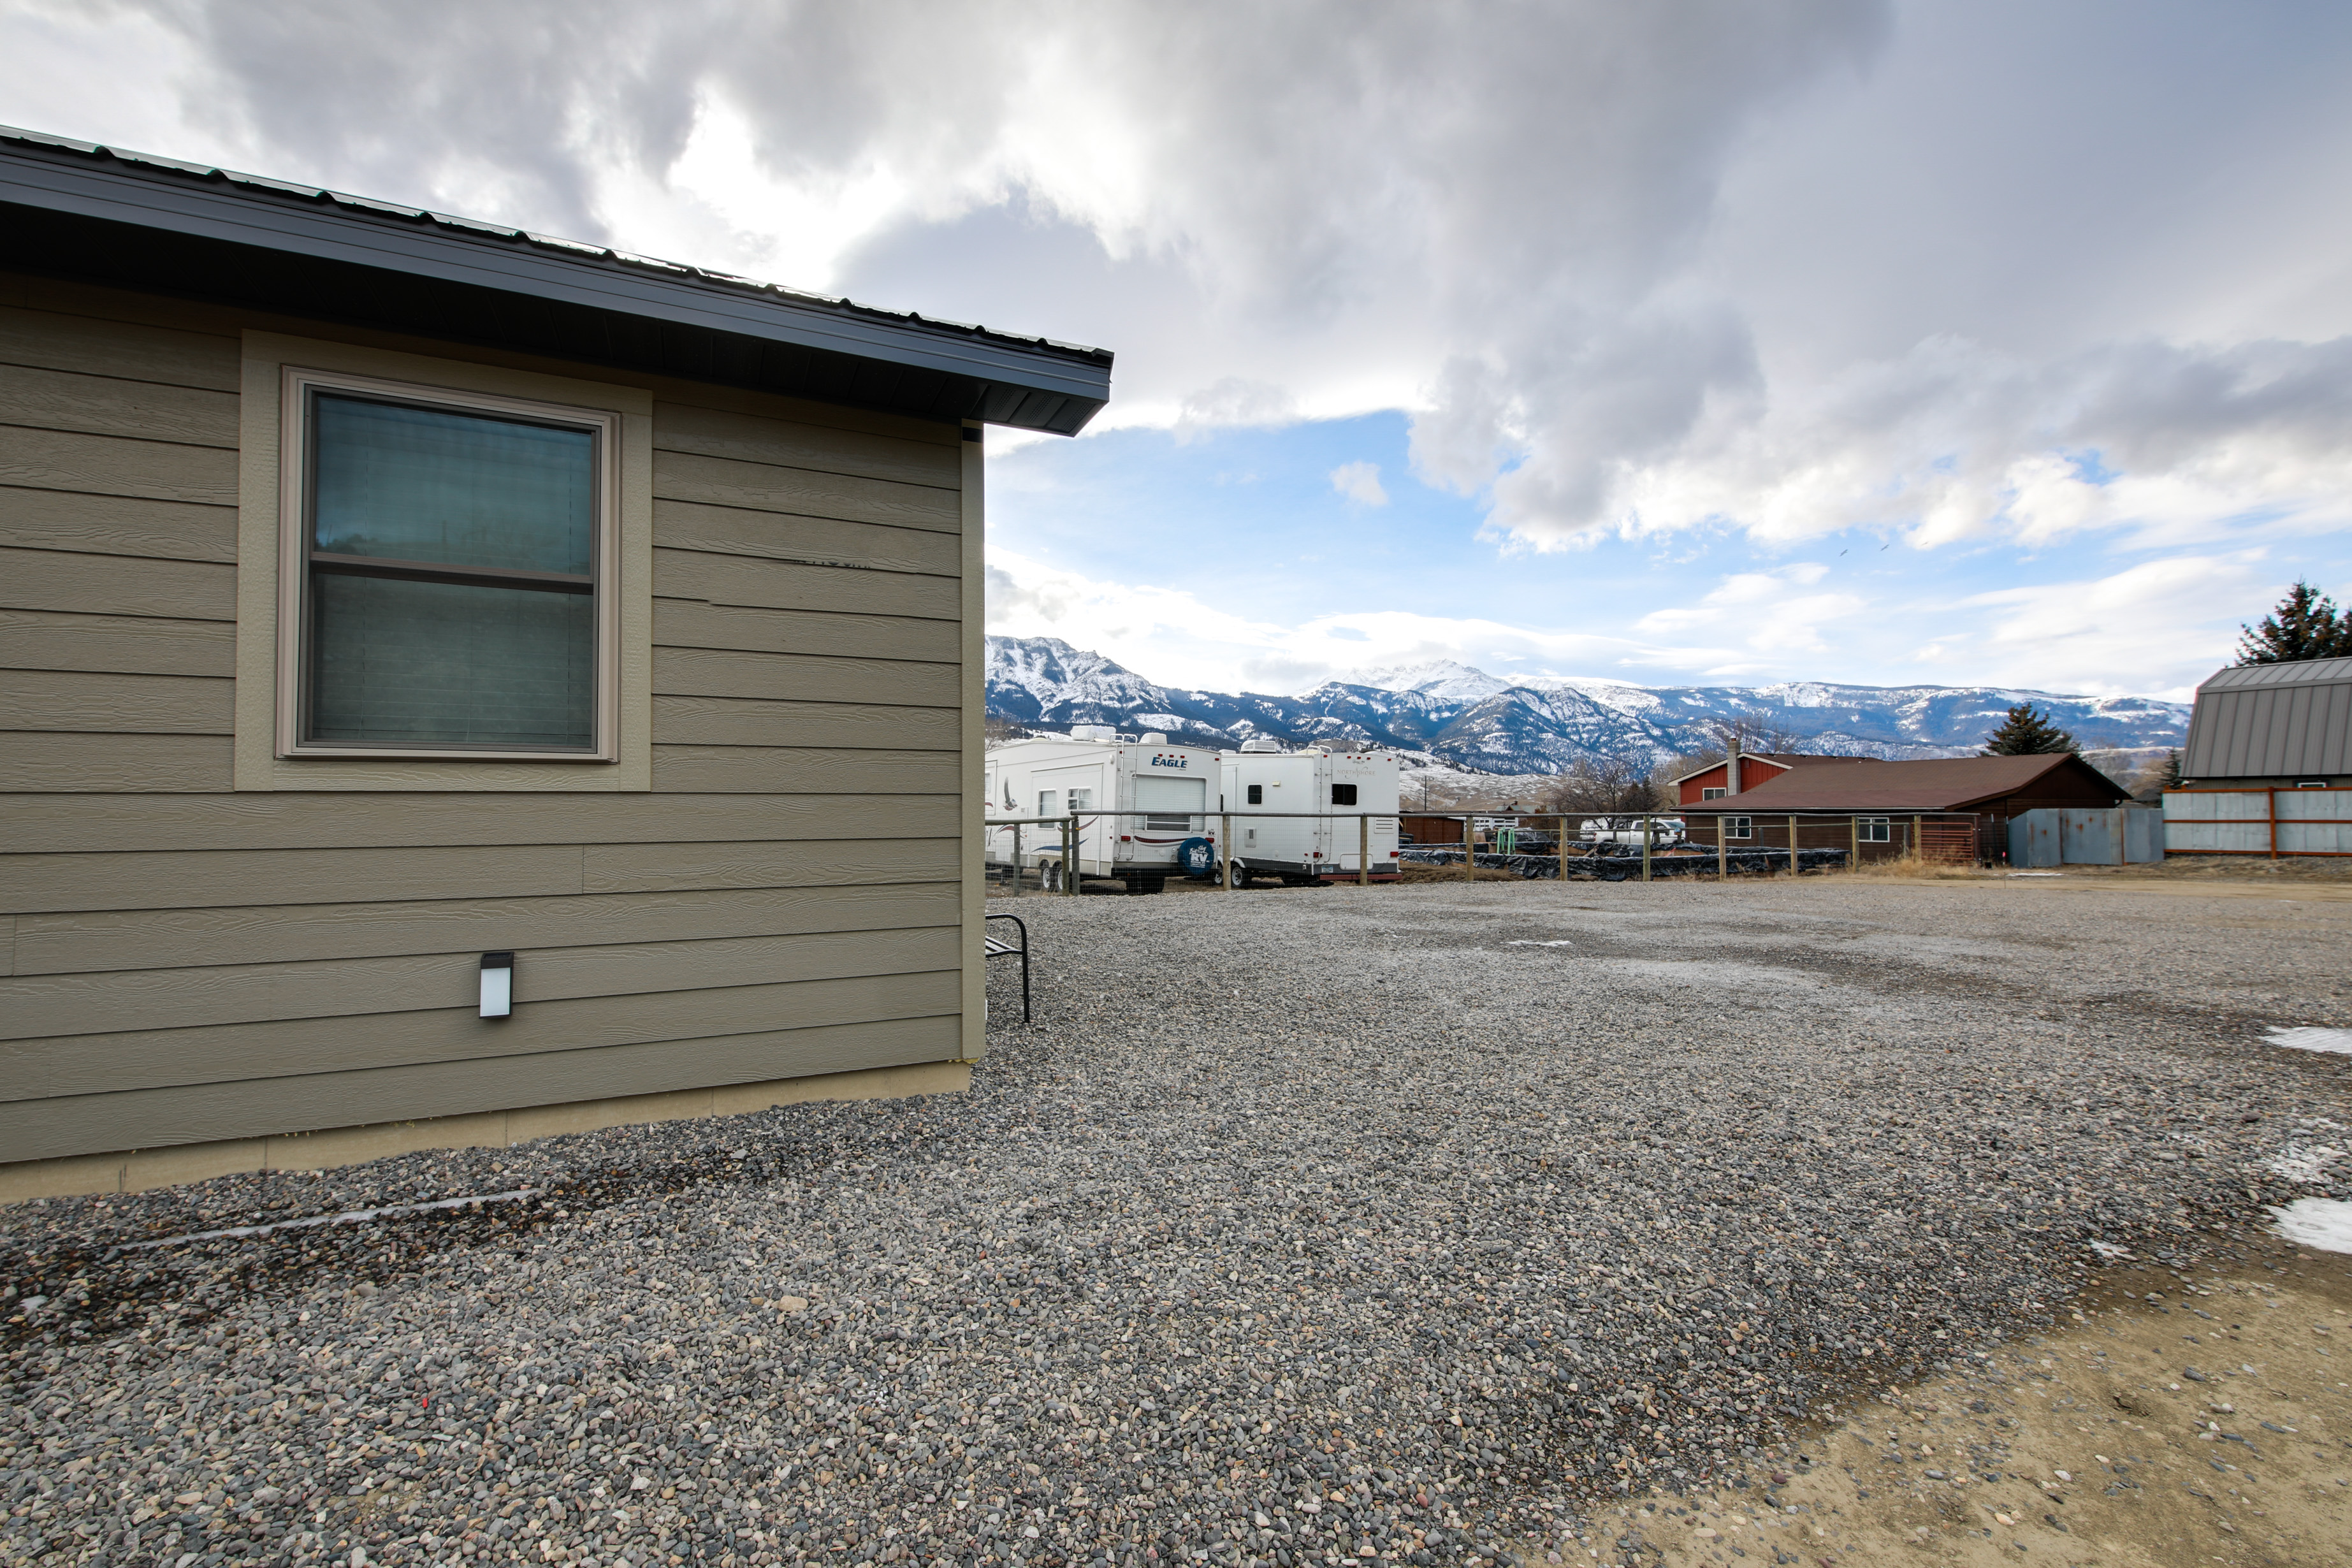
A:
1628	830
1262	777
1095	771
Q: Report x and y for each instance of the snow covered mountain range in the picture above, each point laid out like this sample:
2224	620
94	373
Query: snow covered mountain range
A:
1473	721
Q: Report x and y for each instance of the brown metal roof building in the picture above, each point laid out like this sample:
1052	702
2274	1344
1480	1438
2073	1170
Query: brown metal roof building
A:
2273	726
1950	808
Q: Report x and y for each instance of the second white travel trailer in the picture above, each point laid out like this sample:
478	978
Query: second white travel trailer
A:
1262	777
1093	773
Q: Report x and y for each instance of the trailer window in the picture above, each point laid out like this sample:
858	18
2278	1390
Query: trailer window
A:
1738	828
1257	794
1082	800
1343	794
1874	830
1049	802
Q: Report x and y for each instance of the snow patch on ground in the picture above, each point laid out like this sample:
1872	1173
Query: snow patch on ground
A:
2322	1223
2337	1042
1525	942
2304	1161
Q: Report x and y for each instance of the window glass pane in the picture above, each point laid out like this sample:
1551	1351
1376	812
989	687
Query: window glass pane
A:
1171	795
465	489
1343	794
450	664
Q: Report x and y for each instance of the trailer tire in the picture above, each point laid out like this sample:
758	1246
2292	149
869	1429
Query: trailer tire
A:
1239	872
1049	876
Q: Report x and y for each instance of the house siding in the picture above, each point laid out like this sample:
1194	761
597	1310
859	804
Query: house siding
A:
185	962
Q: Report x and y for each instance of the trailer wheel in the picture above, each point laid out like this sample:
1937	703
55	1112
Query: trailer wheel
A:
1240	873
1049	876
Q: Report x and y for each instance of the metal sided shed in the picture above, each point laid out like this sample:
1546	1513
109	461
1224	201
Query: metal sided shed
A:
463	686
2273	726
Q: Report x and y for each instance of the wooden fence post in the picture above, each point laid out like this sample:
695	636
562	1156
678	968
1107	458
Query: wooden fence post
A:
1469	846
1016	859
1918	847
1070	856
1722	851
1229	852
1562	821
1853	849
1793	846
1645	846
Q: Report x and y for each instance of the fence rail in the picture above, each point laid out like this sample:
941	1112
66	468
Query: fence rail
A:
1916	843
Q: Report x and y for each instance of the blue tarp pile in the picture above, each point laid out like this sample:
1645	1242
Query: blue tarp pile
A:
1622	862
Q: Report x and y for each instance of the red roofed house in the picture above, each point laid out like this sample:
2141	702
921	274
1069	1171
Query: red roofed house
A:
1743	770
1954	809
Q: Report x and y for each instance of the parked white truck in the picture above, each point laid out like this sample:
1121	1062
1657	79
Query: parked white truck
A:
1262	777
1094	772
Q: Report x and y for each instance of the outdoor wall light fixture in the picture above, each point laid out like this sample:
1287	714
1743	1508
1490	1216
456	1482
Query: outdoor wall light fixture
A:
498	984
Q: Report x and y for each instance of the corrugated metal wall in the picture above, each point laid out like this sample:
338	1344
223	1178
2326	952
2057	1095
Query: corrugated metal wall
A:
2242	822
2079	837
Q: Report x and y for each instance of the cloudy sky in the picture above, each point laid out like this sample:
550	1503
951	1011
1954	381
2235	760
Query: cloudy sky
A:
1729	342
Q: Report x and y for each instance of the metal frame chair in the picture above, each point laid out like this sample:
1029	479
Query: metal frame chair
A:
996	947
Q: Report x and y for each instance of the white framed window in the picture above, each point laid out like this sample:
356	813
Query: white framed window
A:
1738	828
1049	802
1874	829
1343	794
1082	800
1713	792
444	574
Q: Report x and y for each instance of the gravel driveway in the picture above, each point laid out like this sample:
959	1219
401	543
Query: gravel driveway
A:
1398	1223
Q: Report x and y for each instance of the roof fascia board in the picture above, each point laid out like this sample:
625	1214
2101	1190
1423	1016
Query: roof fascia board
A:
391	243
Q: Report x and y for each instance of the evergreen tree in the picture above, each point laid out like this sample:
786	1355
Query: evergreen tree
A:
2026	733
2305	625
2170	777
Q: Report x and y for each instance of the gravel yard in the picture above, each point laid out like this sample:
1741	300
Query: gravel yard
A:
1387	1223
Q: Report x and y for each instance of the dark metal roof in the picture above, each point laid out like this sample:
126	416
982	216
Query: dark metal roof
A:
2273	721
1930	783
101	215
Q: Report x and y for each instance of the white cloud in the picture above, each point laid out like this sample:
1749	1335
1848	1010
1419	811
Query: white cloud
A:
1766	613
1179	639
1359	482
1776	269
2154	618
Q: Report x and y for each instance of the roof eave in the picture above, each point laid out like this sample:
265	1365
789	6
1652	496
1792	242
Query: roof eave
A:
178	232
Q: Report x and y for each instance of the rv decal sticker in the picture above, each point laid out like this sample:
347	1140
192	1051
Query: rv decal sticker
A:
1168	762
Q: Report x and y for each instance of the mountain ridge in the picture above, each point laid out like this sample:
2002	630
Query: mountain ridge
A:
1468	719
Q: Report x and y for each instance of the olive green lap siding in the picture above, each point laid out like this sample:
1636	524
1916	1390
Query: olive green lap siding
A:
138	645
201	1113
119	825
95	941
185	962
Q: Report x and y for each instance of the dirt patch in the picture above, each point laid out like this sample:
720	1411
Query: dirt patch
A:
2175	1420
